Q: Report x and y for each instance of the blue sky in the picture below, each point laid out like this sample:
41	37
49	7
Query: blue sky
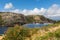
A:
48	8
29	4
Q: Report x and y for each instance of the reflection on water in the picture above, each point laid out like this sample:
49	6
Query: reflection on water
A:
34	25
3	29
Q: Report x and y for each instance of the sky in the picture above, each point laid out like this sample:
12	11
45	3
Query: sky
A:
48	8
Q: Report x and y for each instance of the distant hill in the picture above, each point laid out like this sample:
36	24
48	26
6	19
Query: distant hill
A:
11	18
38	19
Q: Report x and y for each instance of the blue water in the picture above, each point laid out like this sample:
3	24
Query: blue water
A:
34	25
3	29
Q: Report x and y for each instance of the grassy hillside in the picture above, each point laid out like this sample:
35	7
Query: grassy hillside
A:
50	32
38	19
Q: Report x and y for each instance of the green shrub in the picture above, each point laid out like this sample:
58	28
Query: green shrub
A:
17	33
57	33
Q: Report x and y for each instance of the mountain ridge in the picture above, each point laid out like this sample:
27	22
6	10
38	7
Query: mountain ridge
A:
11	18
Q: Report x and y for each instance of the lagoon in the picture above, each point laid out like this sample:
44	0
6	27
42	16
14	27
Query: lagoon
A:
30	25
3	30
34	25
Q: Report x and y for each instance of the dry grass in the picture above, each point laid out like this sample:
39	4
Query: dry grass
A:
1	37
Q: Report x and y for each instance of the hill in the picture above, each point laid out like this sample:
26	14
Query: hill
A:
38	19
10	18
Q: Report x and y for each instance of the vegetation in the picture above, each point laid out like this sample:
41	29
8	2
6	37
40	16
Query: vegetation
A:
48	32
18	33
43	33
29	19
38	19
1	20
13	18
51	36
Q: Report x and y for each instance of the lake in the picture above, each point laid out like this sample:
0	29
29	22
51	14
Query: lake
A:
34	25
3	29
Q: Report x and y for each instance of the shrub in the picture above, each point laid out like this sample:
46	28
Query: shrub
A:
57	33
17	33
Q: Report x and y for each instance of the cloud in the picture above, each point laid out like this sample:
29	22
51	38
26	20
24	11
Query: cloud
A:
16	11
8	6
52	12
53	9
35	11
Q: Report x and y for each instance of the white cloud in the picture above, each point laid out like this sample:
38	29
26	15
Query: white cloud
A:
16	11
53	9
52	12
8	6
35	11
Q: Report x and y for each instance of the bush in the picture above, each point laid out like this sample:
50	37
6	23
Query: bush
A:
17	33
57	33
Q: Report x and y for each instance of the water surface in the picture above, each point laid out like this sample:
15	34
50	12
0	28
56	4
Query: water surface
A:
3	29
34	25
